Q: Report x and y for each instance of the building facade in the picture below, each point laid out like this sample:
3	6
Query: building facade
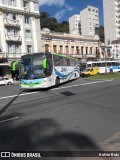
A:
89	20
75	24
82	47
111	20
86	23
19	28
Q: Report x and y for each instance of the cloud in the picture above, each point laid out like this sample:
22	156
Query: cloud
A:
62	12
59	3
69	8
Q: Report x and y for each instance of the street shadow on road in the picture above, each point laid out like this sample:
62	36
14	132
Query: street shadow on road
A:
42	135
9	103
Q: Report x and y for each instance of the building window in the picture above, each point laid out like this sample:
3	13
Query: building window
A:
46	47
10	48
61	49
28	33
29	48
67	49
13	48
82	50
27	19
12	32
9	2
36	6
86	50
14	16
55	48
25	3
72	49
77	50
90	50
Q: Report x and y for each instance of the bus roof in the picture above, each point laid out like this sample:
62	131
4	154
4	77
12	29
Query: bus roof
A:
90	62
62	55
50	53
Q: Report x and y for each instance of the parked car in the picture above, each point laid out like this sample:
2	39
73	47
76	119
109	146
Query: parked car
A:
2	81
90	72
8	80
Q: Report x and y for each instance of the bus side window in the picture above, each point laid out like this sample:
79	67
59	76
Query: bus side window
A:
64	61
56	60
103	64
113	63
108	64
68	61
72	62
98	64
94	64
75	62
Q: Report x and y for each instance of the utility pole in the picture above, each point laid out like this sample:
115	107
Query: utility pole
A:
116	50
47	31
104	49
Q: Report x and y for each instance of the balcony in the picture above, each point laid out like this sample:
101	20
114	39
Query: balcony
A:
76	55
13	38
2	55
91	55
13	23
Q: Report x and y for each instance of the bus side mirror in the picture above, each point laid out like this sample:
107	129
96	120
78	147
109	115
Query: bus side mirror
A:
44	63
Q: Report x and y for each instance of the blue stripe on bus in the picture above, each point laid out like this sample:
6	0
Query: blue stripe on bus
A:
33	81
65	75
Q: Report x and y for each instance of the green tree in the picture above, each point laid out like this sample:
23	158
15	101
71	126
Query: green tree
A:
101	34
49	22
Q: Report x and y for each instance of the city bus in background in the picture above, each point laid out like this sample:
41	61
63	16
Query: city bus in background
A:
43	70
109	66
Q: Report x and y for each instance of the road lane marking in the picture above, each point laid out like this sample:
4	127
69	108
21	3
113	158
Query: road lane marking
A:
82	84
9	119
17	95
24	94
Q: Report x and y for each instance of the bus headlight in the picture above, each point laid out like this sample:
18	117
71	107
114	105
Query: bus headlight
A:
43	82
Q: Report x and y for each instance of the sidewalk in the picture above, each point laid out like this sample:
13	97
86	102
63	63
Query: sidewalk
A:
16	82
111	144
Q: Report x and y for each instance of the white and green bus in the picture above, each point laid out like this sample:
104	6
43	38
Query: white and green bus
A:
43	70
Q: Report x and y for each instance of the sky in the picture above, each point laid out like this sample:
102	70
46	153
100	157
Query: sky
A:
63	9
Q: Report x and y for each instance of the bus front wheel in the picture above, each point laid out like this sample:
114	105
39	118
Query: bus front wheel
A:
57	82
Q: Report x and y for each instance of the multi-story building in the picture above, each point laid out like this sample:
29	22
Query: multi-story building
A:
82	47
86	23
19	27
111	20
74	24
89	21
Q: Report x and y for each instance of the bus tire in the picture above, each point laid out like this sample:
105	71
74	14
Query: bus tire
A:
9	83
57	82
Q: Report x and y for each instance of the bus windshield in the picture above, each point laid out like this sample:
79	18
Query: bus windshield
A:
31	66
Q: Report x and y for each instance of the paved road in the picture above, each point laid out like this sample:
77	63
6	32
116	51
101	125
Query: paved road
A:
78	115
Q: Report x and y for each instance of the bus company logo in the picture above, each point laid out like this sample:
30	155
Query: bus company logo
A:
64	69
5	154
